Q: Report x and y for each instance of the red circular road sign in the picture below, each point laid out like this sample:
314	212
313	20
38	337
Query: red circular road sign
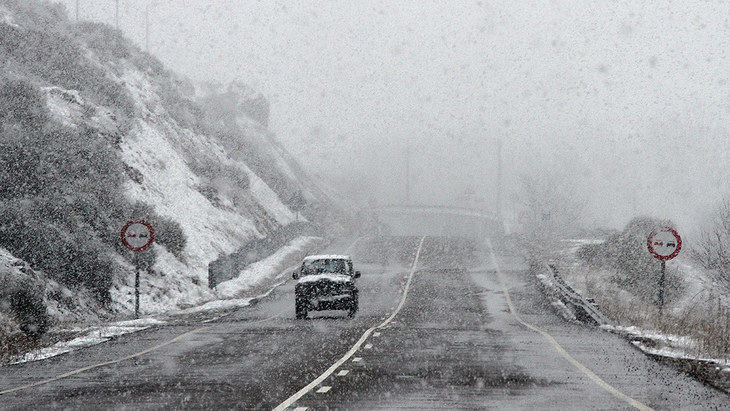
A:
664	243
137	235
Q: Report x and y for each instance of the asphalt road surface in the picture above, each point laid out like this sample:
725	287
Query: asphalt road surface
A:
437	332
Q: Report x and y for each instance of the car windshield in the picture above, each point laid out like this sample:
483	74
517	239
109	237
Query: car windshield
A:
326	265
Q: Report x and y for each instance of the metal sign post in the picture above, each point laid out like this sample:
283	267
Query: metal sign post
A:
661	285
137	236
664	244
136	284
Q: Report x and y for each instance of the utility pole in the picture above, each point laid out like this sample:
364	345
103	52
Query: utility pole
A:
136	284
77	11
116	15
661	286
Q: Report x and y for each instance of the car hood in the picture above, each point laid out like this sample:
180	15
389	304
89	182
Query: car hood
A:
338	278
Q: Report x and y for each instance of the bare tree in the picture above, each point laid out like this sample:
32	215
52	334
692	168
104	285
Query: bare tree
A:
713	248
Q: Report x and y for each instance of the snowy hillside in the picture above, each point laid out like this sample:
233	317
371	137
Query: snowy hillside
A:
222	181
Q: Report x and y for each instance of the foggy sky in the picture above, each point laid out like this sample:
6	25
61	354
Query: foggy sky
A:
629	103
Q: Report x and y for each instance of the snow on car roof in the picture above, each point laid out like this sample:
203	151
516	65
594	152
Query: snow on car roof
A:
327	257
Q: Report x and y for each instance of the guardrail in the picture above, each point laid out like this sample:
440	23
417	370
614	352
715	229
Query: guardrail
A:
708	371
584	308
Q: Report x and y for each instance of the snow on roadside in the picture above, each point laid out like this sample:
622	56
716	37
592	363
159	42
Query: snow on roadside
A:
277	262
91	336
268	199
216	305
677	354
558	305
273	266
160	293
697	284
667	345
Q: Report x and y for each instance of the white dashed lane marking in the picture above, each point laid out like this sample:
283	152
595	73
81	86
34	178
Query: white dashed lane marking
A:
368	346
299	394
342	373
324	389
376	334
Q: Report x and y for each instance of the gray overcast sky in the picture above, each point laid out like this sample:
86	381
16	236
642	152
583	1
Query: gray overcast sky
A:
631	99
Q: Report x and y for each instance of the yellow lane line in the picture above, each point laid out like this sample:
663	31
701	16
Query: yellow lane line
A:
118	360
582	368
299	394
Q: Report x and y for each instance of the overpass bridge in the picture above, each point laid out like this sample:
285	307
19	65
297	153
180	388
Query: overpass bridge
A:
437	220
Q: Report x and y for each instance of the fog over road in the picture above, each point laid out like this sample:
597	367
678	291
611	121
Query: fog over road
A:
454	344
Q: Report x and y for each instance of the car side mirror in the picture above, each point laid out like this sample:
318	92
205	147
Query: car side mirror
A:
295	274
357	274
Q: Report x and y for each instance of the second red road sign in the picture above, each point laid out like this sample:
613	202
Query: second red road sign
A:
664	244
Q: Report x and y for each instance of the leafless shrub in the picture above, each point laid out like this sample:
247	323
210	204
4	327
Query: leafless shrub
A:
625	254
705	319
713	248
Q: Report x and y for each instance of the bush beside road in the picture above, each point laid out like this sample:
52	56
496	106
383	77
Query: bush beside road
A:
617	272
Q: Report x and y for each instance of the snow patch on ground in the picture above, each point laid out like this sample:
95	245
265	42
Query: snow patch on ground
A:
171	284
217	305
678	354
268	199
277	262
91	336
665	345
272	267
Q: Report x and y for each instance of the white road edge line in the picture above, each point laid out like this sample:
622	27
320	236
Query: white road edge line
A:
582	368
299	394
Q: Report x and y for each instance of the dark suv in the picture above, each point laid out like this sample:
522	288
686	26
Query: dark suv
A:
326	282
